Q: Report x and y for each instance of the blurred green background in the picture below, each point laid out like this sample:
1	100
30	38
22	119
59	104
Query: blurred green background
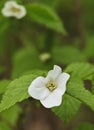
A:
55	32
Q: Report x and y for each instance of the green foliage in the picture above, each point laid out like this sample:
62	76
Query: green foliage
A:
68	109
5	24
88	15
25	60
21	43
45	15
4	126
92	82
67	54
3	29
51	3
1	69
85	126
17	91
89	49
11	115
81	70
76	89
3	85
75	94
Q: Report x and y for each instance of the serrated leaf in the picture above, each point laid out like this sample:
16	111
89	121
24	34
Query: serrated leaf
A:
65	54
16	91
81	70
45	15
68	109
10	116
85	126
75	88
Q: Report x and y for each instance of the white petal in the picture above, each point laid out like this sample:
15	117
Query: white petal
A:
6	11
37	89
22	12
61	81
54	99
53	74
9	4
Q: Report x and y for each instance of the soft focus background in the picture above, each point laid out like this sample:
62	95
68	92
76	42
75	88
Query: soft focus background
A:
28	44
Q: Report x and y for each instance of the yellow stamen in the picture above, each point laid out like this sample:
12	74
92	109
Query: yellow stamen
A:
15	10
51	85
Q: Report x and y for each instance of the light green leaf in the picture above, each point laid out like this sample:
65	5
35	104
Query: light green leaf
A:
67	110
45	15
4	126
82	70
16	91
67	54
85	126
75	88
11	115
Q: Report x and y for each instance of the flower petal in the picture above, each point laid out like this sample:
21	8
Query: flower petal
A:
37	89
9	4
54	99
61	81
7	10
53	74
21	13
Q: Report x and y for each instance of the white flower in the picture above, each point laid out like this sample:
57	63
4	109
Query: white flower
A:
49	90
12	9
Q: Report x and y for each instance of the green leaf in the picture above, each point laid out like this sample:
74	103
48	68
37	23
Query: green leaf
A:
82	70
16	91
89	49
75	88
25	60
11	115
4	126
67	110
51	3
3	85
65	54
45	15
2	69
85	126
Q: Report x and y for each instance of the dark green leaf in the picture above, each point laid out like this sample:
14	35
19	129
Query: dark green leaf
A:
45	15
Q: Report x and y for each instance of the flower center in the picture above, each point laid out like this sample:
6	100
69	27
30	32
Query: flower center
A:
51	85
15	10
